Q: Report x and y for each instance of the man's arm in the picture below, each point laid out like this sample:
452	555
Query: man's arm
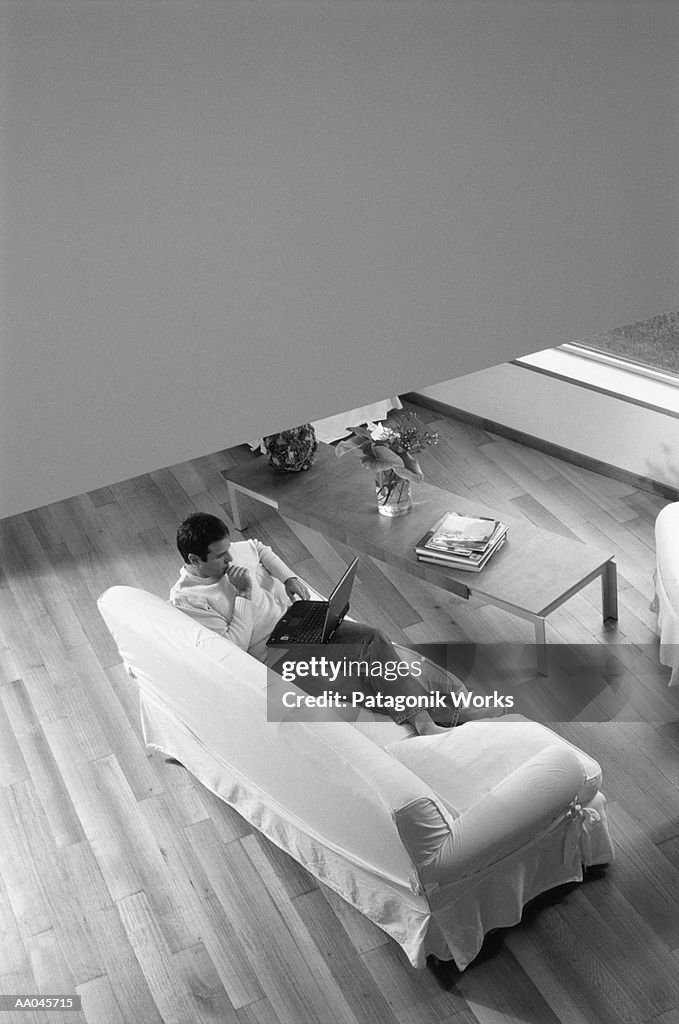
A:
295	587
238	628
276	567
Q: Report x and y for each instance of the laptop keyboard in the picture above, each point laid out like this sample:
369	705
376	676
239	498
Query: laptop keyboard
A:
312	630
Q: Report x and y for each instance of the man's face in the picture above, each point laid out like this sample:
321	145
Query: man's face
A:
217	561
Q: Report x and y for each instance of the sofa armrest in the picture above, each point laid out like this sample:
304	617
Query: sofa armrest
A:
516	811
667	549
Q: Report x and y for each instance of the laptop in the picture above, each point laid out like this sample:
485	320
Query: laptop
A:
314	622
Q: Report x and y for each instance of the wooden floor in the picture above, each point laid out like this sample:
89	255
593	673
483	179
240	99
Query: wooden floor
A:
125	882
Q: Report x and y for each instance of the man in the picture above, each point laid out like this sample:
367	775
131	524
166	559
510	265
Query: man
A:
240	590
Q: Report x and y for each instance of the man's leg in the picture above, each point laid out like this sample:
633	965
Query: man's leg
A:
377	646
371	646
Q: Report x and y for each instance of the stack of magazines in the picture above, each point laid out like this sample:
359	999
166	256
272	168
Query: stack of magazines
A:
462	542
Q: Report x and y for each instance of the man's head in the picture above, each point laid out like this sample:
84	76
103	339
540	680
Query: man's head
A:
204	544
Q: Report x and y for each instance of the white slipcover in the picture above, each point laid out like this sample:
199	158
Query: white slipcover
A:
332	428
434	871
666	601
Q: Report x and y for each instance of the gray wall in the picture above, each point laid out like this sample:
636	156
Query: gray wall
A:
221	218
642	442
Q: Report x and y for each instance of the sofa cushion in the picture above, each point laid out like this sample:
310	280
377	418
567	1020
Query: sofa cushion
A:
465	764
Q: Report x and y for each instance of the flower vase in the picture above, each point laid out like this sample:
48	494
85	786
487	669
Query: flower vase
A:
394	494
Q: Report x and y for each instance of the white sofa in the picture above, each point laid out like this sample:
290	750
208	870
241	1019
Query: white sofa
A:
437	839
666	601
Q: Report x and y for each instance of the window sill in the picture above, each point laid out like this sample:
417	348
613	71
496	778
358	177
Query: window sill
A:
652	389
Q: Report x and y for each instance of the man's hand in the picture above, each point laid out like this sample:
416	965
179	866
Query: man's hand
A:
294	587
239	577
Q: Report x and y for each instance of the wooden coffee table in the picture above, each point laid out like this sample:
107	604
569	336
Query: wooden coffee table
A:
532	574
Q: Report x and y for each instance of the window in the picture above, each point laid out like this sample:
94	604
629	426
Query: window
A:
638	363
650	344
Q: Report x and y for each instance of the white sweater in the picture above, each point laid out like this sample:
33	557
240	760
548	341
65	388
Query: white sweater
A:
215	603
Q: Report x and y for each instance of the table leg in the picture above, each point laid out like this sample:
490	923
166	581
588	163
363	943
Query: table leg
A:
539	622
541	646
609	590
235	511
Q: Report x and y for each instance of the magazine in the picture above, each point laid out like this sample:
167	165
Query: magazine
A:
461	542
470	563
454	530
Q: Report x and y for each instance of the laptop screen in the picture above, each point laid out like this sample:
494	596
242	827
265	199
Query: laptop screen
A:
339	599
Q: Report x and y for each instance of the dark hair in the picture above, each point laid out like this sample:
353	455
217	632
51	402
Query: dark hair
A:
197	532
